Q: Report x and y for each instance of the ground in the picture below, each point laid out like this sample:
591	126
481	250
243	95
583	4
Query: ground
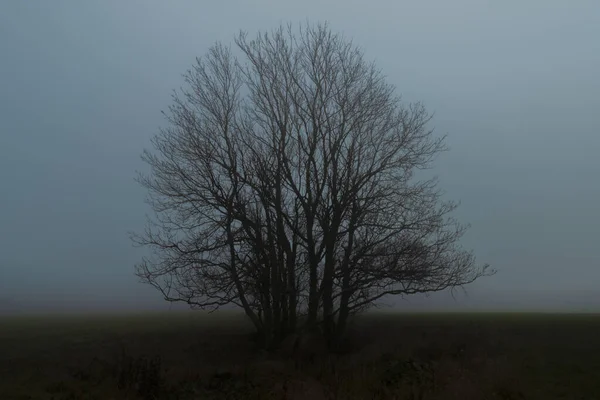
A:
194	355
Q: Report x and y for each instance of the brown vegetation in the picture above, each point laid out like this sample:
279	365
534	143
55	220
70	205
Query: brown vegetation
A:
387	356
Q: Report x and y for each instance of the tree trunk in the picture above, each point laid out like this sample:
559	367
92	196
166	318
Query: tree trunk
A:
327	293
344	311
313	290
292	291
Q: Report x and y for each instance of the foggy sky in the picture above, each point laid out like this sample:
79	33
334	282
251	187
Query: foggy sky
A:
514	84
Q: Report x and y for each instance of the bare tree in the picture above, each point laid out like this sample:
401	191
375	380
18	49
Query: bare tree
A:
285	184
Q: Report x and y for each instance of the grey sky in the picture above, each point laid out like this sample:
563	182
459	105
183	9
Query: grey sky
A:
514	84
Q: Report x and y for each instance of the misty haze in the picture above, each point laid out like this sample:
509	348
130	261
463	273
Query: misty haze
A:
356	189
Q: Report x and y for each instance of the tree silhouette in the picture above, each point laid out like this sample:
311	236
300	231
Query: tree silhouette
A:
285	184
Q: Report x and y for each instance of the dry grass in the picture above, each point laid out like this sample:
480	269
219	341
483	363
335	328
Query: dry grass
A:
387	356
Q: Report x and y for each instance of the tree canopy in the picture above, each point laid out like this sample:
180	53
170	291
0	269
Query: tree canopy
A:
284	183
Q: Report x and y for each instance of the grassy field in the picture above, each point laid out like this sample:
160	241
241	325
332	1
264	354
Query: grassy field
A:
192	355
